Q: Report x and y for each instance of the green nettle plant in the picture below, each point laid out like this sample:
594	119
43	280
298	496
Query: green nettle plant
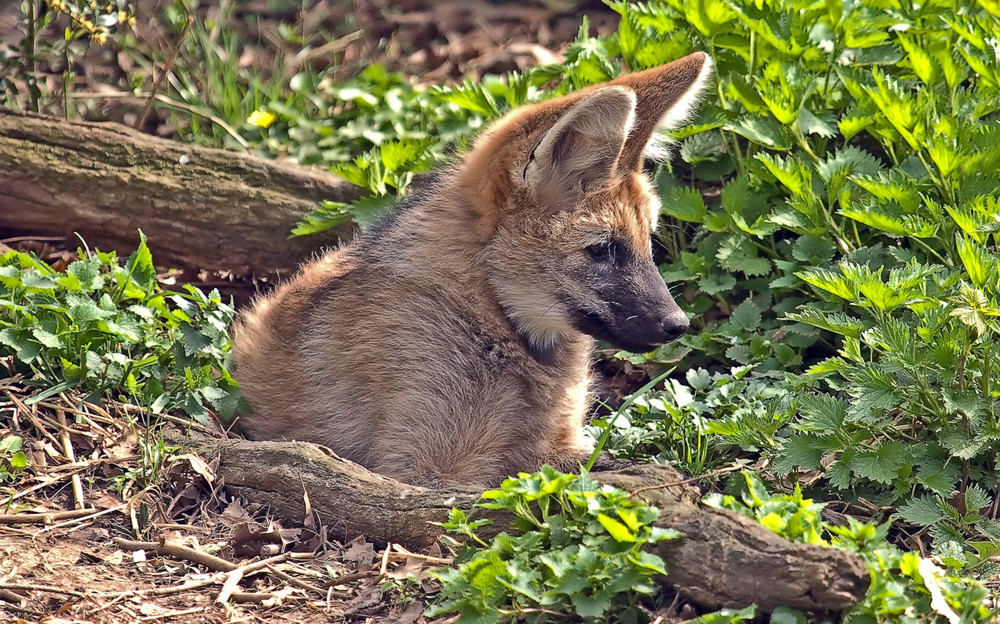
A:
916	404
579	549
108	329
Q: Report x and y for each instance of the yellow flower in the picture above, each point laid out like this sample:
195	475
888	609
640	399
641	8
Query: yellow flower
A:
99	38
261	119
122	17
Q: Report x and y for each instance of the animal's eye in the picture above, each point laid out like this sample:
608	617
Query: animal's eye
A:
602	251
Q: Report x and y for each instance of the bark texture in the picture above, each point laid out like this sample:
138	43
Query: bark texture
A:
723	560
201	208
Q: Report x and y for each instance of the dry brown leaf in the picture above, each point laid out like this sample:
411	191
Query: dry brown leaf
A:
105	500
414	566
360	551
234	514
197	464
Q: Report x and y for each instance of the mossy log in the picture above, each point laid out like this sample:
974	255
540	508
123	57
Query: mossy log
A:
723	560
201	208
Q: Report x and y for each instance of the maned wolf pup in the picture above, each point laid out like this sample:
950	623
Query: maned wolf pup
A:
451	344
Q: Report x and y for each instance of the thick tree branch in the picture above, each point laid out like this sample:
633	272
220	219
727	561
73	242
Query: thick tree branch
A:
201	208
724	560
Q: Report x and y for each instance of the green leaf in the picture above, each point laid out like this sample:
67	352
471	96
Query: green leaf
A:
87	272
791	172
872	390
615	528
800	451
821	125
746	316
821	413
837	322
193	340
922	511
701	148
982	265
10	444
961	444
396	154
18	460
629	36
684	203
140	265
784	615
653	562
85	310
829	281
976	498
813	249
591	607
839	473
763	131
365	212
909	225
25	346
883	465
922	63
836	169
716	283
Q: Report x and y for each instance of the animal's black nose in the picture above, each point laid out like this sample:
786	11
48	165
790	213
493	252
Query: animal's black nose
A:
675	327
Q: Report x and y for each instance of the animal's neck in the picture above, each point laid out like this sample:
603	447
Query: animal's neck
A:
450	253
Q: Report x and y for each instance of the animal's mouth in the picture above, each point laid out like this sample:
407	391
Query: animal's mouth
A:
593	324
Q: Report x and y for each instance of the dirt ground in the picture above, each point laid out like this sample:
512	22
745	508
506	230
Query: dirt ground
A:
81	538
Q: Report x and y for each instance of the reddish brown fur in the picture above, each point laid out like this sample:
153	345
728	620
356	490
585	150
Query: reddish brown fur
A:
442	347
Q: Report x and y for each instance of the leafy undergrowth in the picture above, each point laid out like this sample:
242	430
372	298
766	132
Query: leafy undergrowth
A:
582	553
109	328
578	549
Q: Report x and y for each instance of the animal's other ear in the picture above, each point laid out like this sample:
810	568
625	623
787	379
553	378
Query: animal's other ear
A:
665	98
581	150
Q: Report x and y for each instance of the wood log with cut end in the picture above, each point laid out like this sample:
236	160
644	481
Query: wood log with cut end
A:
201	208
723	560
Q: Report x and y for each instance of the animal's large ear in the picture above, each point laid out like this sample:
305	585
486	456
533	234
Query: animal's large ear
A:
581	150
665	98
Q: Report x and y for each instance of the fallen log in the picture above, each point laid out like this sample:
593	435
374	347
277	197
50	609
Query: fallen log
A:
201	208
723	560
